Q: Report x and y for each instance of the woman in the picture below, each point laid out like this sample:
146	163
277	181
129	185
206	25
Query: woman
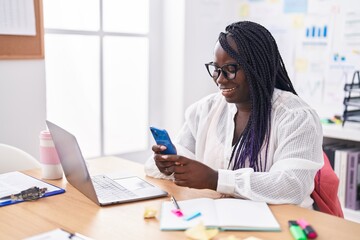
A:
255	139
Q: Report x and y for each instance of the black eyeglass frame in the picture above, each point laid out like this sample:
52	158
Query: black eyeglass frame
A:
221	69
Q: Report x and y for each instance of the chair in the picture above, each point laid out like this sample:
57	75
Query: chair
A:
326	189
15	159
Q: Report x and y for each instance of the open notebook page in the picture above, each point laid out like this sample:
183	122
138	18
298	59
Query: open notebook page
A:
169	221
241	214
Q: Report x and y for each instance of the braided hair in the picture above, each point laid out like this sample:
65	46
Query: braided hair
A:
258	55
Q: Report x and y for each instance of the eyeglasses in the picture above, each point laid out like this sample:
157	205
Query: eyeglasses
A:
228	70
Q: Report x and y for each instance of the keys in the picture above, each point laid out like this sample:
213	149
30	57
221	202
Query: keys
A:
106	188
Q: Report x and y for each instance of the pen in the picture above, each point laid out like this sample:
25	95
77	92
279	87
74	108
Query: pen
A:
296	231
308	229
192	216
176	211
175	202
8	196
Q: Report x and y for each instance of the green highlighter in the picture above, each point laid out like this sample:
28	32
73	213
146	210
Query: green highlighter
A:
296	231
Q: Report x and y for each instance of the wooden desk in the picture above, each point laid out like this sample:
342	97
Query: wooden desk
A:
74	212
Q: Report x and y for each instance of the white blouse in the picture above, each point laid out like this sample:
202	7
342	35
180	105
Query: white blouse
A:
294	154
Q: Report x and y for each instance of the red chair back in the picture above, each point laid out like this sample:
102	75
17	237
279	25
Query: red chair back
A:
326	190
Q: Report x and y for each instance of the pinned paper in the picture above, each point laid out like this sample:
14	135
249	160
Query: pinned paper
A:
199	232
301	65
298	22
244	10
150	212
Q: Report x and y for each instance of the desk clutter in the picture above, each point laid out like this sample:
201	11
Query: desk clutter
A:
225	214
207	228
204	218
198	231
46	214
301	230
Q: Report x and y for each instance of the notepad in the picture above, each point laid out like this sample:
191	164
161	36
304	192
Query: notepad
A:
15	182
225	213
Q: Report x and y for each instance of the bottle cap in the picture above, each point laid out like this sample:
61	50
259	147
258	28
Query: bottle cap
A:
45	134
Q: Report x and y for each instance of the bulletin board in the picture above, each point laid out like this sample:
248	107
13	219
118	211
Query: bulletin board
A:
25	47
319	43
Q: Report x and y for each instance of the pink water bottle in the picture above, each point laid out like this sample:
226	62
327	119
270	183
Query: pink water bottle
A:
49	159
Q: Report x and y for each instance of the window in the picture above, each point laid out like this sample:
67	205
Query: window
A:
97	72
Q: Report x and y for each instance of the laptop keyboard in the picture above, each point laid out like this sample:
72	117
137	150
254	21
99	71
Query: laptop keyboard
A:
108	189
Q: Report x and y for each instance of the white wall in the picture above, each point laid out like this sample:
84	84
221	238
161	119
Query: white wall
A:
22	104
190	31
171	67
204	20
187	32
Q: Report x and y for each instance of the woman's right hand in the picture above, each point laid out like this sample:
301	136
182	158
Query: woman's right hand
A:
165	167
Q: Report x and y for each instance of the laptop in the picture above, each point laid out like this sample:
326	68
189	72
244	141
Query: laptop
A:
102	189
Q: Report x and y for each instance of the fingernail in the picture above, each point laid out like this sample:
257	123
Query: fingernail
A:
162	147
164	156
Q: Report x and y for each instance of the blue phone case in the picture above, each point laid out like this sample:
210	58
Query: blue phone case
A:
162	138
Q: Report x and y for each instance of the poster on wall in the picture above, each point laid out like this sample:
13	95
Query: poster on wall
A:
344	58
311	58
319	41
17	17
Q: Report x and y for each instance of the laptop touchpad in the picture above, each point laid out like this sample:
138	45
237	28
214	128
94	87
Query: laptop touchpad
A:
133	183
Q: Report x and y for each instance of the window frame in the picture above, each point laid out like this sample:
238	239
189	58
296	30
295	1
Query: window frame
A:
153	36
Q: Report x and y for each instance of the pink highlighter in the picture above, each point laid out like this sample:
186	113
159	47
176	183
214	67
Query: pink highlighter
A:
307	228
176	211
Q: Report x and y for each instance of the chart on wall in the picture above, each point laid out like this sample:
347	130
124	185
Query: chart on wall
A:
319	41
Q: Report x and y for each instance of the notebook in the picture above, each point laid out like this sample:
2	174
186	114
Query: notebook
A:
224	213
101	189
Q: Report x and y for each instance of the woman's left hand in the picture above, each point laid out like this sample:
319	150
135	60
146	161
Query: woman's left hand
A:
191	173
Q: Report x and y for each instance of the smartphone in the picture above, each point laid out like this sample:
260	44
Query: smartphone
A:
162	138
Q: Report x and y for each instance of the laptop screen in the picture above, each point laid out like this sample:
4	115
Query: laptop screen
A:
72	160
